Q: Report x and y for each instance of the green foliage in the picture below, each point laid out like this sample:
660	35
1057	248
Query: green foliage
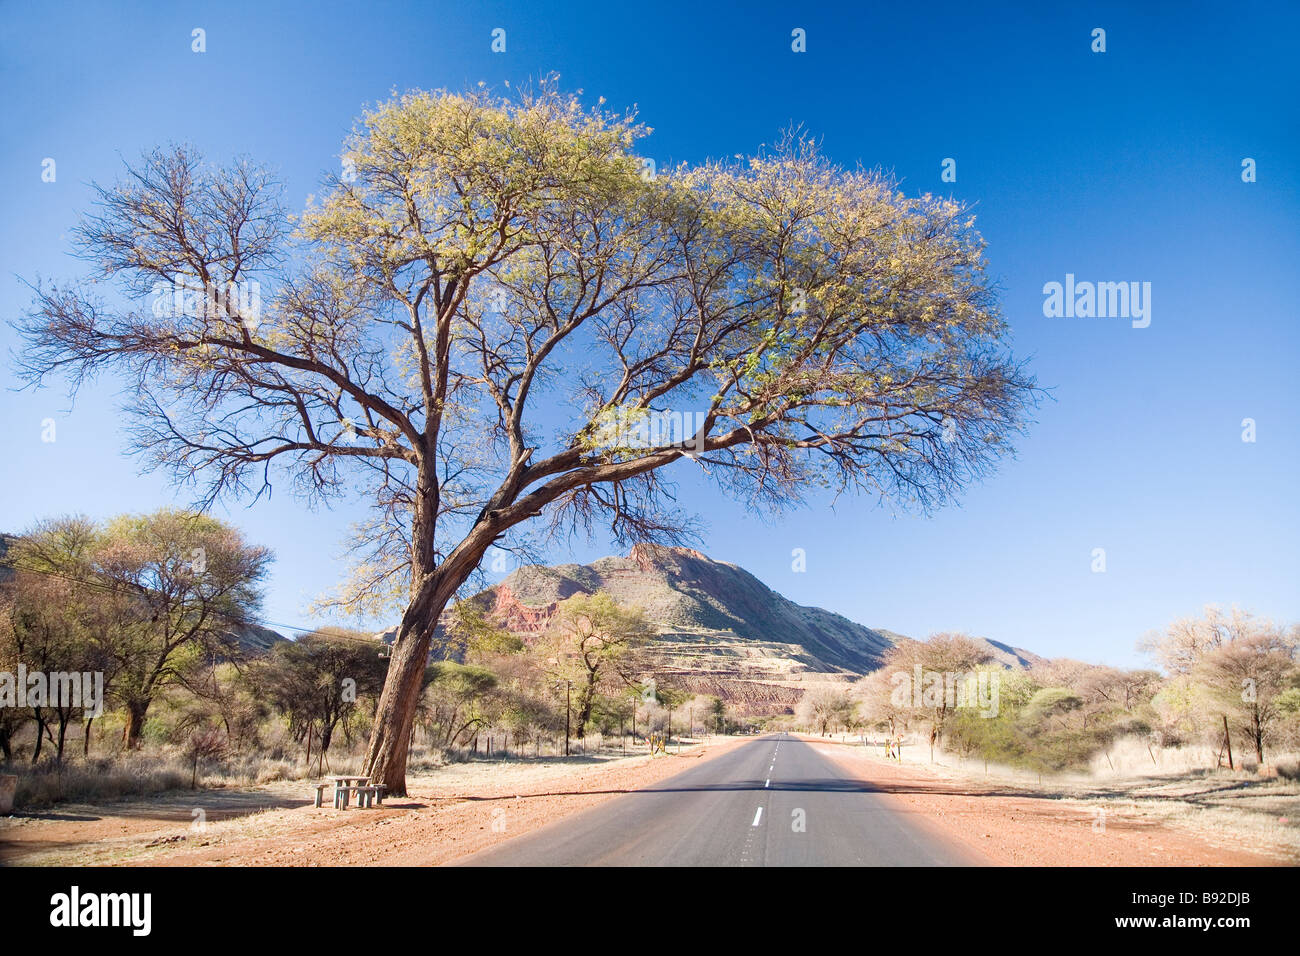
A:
1050	703
139	598
1288	702
670	697
458	699
470	629
319	680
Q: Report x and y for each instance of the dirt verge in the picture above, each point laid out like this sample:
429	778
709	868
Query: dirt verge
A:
451	813
1021	828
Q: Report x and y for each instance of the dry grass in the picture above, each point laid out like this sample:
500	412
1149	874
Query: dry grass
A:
1236	810
1133	756
156	770
1177	787
140	774
108	778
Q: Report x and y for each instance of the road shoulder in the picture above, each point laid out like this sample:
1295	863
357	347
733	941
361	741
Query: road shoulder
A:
1021	828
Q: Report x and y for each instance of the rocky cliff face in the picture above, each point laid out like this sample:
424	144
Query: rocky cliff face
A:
510	613
711	615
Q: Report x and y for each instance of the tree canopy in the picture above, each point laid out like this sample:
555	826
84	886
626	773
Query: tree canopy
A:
487	315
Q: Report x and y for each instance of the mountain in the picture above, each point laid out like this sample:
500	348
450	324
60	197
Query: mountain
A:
693	599
720	630
1012	658
255	639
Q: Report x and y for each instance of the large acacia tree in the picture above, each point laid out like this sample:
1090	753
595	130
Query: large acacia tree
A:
461	325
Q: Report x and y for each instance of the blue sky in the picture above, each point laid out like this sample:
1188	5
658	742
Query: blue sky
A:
1115	166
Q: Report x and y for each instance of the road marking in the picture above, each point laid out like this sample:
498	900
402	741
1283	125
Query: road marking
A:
758	815
768	784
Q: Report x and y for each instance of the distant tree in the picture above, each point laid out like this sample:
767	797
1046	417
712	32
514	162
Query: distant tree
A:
1052	706
1288	708
597	639
471	630
1179	708
824	329
939	660
203	744
44	625
58	618
1247	676
528	716
12	719
826	708
716	715
1001	737
318	681
1229	665
460	700
1182	645
192	577
878	704
670	698
226	687
1110	697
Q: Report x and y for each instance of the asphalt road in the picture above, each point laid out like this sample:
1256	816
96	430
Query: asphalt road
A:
774	801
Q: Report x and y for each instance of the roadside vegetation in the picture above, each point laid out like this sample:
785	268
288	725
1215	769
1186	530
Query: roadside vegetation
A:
163	608
1226	694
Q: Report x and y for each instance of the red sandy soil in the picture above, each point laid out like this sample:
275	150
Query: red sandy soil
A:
440	824
1017	828
433	825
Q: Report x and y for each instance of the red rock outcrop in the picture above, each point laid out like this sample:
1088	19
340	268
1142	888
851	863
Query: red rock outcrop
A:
520	618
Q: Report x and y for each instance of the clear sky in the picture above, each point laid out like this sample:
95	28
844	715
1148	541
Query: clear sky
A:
1117	166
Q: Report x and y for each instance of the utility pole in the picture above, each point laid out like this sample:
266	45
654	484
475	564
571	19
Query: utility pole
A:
568	686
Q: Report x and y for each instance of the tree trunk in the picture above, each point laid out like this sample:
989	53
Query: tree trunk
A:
40	735
63	737
389	741
135	714
584	706
431	588
1227	739
85	737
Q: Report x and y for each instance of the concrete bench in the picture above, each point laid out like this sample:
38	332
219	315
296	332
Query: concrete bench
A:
367	796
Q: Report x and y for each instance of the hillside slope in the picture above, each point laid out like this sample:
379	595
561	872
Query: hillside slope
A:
714	619
720	630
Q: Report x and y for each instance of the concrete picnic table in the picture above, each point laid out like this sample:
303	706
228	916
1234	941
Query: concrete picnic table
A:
341	789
